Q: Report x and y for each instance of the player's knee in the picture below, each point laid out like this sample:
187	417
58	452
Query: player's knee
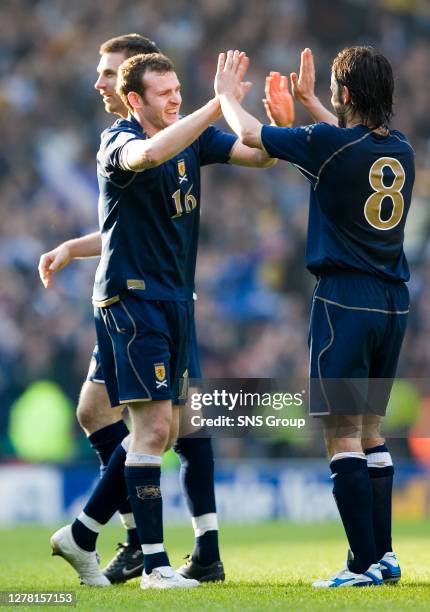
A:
343	445
94	410
343	434
85	413
157	437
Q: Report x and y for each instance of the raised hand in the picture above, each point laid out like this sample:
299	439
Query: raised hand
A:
303	84
231	69
303	89
279	103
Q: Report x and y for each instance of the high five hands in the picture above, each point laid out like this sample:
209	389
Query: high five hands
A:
231	70
278	101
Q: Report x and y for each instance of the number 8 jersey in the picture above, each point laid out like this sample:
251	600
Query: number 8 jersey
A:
149	220
361	186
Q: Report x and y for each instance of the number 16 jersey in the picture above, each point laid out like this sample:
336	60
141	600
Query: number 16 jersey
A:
361	186
149	220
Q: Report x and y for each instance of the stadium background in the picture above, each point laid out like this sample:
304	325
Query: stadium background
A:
253	291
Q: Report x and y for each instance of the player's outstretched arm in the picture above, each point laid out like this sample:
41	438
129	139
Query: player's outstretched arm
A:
279	103
242	155
303	88
227	78
152	152
78	248
142	154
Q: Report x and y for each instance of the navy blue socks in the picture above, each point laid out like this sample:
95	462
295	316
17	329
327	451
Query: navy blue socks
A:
109	493
85	532
104	441
142	475
381	472
197	480
197	474
206	549
352	490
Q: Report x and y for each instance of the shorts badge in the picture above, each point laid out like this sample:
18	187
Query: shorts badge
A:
160	375
160	371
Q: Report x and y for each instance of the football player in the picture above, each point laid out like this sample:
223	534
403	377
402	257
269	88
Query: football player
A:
361	175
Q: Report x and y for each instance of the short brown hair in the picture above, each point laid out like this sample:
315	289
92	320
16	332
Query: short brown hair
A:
131	72
129	44
369	78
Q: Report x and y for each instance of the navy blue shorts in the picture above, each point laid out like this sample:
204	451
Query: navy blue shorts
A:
95	373
143	348
357	326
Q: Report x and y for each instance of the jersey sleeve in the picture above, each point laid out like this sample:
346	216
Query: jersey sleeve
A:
111	159
111	155
215	146
307	147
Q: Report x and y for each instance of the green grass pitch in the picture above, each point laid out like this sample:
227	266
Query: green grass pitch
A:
268	566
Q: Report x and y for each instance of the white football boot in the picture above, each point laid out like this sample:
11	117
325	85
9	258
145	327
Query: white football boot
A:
84	562
166	578
346	578
390	568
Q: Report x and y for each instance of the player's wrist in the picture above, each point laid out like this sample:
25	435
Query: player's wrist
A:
68	249
215	105
227	94
310	101
282	123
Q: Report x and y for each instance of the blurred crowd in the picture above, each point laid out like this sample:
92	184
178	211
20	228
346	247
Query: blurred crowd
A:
254	292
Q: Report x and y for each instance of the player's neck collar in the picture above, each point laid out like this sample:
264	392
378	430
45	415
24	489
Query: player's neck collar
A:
381	130
356	124
135	122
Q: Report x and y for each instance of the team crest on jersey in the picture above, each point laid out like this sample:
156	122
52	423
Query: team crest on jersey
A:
160	375
182	171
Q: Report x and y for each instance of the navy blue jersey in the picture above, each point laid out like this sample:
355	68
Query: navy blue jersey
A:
361	186
149	220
